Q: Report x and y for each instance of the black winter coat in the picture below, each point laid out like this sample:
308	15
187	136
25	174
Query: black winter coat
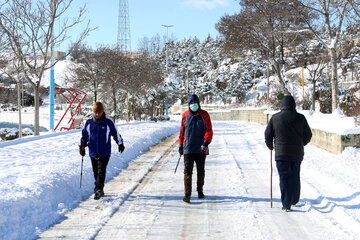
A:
290	132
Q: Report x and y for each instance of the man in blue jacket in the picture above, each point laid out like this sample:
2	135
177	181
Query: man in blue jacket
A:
290	132
195	136
96	135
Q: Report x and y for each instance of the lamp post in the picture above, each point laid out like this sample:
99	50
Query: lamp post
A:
166	51
166	44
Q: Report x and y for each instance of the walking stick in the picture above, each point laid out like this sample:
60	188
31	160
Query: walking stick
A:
271	173
82	162
177	164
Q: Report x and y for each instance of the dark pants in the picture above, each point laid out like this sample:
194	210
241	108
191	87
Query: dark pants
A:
189	160
99	169
289	173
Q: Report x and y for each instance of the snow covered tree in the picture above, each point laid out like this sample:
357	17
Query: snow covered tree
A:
270	27
332	16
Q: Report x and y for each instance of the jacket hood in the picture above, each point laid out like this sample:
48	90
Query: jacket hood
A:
288	103
194	98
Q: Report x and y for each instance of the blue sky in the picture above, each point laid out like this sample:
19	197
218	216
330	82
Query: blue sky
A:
190	18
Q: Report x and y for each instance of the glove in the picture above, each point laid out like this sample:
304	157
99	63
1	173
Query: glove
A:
82	150
205	148
181	149
271	148
121	148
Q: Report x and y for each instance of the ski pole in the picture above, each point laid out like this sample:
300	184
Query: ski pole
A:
271	173
177	164
82	162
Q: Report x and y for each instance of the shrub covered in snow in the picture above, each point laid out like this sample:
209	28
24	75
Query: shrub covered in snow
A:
13	133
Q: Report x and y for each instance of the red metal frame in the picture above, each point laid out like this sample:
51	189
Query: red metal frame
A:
76	95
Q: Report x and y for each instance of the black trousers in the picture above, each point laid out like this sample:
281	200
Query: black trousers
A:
99	169
189	160
289	173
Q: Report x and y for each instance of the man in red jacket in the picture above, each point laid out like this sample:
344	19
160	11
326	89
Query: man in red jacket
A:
194	138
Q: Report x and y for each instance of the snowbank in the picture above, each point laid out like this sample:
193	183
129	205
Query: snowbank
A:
41	181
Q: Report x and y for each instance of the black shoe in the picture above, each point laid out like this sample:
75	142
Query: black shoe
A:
286	209
102	193
186	199
201	195
98	195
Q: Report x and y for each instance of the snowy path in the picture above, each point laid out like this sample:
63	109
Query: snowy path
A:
237	196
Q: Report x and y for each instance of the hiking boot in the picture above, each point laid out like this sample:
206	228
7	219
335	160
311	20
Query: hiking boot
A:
200	184
102	193
201	194
186	198
98	194
187	186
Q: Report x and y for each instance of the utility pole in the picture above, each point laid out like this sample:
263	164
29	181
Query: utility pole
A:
166	50
52	80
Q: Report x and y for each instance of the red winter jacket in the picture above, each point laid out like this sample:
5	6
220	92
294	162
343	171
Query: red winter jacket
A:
195	130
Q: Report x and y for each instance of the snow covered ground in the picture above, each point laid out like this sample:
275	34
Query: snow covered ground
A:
40	187
39	177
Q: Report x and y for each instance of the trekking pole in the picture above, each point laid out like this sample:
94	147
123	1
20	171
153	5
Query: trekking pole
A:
177	164
271	173
82	162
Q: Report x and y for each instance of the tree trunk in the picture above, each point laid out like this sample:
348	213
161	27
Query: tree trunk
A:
114	103
19	105
133	109
334	80
313	97
151	109
36	108
95	91
277	70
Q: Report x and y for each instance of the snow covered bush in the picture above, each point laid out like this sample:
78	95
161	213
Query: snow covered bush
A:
356	105
306	104
8	133
346	103
27	132
325	101
13	133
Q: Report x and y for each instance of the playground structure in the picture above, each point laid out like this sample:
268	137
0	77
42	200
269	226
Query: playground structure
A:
75	99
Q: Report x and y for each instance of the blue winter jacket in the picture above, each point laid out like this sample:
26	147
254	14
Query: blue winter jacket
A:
97	137
195	129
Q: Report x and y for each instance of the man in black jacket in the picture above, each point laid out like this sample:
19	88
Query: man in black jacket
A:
290	132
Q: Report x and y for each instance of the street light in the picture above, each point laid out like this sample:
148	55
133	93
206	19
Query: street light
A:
166	44
166	51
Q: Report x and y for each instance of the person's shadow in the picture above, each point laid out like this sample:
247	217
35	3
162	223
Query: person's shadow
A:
327	204
322	204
